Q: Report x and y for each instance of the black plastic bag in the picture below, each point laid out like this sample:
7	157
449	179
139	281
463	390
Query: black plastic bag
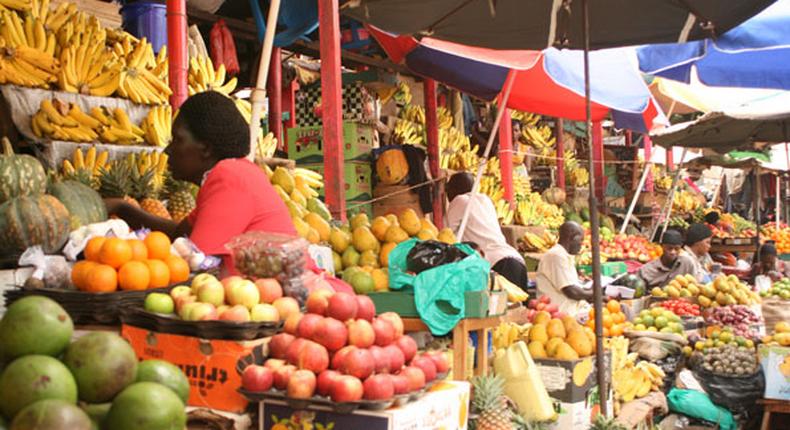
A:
429	254
739	394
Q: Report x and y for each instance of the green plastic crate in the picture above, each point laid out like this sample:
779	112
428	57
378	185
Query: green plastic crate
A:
306	144
610	268
357	177
402	303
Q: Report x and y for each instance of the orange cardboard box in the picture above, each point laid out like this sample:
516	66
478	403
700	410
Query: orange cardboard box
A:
210	365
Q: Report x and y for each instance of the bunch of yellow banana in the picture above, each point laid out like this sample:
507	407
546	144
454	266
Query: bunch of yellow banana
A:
579	177
661	180
61	121
466	160
444	119
525	118
538	137
521	186
634	381
451	141
684	202
413	113
533	210
409	133
56	19
203	76
138	83
26	52
20	5
157	125
144	161
535	243
89	69
312	179
87	166
266	146
508	333
403	94
503	211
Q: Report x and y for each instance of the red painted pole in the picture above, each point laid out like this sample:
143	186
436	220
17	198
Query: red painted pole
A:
332	106
559	133
506	154
648	157
289	105
275	92
177	56
671	159
434	152
597	143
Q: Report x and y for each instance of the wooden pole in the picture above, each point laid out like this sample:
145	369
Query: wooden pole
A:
332	106
274	88
177	55
649	156
597	156
559	133
434	152
259	92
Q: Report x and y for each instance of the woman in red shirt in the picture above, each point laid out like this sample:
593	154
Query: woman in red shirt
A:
210	142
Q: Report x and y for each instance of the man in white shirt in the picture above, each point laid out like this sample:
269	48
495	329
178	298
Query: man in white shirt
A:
557	277
482	229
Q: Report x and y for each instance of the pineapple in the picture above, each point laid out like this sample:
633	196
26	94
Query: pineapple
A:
180	201
490	403
147	193
603	423
114	182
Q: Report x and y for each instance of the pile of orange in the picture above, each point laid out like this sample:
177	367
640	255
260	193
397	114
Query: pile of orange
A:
614	321
128	264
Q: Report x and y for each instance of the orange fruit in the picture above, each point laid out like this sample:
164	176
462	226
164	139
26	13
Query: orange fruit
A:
139	250
101	278
160	273
605	332
618	318
115	252
158	245
79	273
617	330
93	248
607	321
179	269
613	306
134	275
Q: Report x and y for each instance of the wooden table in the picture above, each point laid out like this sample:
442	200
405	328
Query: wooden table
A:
773	406
481	326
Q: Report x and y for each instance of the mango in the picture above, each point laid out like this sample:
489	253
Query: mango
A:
536	350
565	352
379	228
551	346
538	333
319	224
396	234
555	329
364	240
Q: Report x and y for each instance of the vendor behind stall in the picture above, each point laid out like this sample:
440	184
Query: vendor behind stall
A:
557	276
768	265
210	142
482	228
660	271
696	251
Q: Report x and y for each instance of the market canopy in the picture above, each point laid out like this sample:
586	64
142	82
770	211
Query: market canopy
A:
539	24
678	97
548	82
755	54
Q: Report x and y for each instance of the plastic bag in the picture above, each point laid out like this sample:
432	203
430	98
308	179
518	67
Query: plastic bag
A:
429	254
267	255
736	393
223	48
652	349
54	270
439	292
698	405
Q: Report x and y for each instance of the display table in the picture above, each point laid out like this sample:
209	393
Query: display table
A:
772	407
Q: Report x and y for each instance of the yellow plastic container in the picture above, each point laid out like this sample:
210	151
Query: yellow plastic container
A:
522	382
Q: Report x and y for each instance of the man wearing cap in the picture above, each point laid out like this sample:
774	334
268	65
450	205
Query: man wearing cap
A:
696	250
659	272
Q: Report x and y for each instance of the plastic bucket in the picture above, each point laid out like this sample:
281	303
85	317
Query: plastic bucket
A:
146	19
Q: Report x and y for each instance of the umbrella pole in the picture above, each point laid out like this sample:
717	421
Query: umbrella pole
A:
757	201
501	109
642	180
596	247
259	92
778	193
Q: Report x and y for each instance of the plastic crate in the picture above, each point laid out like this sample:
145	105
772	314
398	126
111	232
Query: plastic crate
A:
610	268
146	19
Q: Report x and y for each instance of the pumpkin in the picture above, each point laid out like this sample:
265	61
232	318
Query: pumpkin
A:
392	167
33	220
85	205
20	175
554	195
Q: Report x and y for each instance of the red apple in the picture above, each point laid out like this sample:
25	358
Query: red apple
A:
378	387
381	359
361	334
202	312
342	306
269	289
532	303
292	323
551	308
440	360
366	309
339	357
408	346
293	350
301	385
400	383
544	299
395	357
227	283
308	325
211	292
325	381
238	313
286	306
384	332
181	303
331	333
279	344
264	312
427	366
415	376
274	363
358	363
318	301
540	306
396	322
313	357
243	292
282	375
257	378
180	291
346	389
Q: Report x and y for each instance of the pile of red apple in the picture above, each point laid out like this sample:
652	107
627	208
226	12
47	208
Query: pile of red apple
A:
232	299
543	303
341	350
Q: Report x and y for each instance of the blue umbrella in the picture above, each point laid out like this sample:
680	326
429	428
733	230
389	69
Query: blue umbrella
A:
755	54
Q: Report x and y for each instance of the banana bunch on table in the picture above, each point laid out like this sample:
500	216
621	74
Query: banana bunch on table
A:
67	121
86	166
508	333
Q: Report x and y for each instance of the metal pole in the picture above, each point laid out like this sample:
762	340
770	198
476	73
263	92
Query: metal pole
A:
500	113
434	152
777	194
757	198
596	250
259	92
274	89
177	55
559	132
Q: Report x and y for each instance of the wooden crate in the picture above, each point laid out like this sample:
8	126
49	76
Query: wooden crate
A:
396	200
108	14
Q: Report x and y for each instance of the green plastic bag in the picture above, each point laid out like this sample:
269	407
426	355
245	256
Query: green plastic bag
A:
698	405
439	292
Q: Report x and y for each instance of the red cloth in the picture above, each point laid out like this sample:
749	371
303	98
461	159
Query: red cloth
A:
236	197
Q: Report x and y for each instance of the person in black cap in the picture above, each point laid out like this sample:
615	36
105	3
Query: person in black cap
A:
769	265
696	250
659	272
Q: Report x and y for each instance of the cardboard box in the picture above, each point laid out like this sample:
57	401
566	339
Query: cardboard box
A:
477	304
306	144
579	415
357	177
775	361
558	377
446	406
210	365
359	104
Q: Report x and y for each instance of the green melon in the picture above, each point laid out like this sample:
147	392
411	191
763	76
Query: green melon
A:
20	175
103	364
32	378
149	406
51	414
164	373
85	205
35	325
33	220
